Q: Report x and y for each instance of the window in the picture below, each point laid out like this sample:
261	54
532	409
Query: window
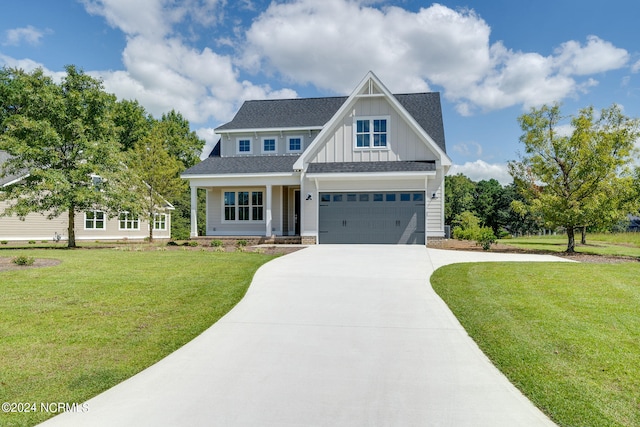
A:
371	132
364	197
229	206
377	197
126	222
160	221
405	197
269	145
94	220
390	197
294	144
257	209
325	198
244	146
418	197
243	206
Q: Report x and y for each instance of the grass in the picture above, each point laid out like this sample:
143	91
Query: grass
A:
567	335
74	330
618	244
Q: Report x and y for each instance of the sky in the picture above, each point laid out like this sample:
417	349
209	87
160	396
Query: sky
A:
491	60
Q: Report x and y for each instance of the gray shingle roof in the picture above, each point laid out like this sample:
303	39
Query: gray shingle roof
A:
284	113
243	165
4	156
314	112
360	167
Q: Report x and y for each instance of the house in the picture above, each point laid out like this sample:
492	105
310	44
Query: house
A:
367	168
91	225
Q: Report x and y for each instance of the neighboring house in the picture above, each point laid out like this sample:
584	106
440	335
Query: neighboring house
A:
367	168
92	225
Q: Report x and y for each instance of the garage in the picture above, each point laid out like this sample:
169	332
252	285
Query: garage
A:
386	217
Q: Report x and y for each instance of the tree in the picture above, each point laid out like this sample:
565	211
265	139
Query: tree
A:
132	123
179	140
579	179
459	196
62	138
487	203
158	173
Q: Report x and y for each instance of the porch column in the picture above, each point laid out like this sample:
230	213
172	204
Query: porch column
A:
268	218
194	212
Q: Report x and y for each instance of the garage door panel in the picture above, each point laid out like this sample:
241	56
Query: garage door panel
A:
372	217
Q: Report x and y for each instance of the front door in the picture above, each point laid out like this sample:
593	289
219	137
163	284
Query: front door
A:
296	211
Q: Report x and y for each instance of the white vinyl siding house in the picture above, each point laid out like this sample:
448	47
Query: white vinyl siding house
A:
367	168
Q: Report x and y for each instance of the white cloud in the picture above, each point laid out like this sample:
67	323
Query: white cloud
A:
481	170
28	34
29	65
163	72
411	51
470	148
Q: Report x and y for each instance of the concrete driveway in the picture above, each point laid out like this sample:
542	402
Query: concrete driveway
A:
335	335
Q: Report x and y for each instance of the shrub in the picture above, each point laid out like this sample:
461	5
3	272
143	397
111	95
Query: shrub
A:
23	260
485	238
4	242
172	243
241	243
192	243
216	243
32	242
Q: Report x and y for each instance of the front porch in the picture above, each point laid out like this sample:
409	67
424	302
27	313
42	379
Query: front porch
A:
257	212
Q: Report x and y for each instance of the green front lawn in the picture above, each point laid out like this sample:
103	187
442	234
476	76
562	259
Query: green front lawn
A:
619	244
567	335
102	315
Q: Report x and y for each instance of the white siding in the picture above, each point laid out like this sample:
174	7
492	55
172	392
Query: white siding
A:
228	143
402	142
215	213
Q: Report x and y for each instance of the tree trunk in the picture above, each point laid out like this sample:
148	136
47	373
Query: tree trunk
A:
571	244
71	232
583	240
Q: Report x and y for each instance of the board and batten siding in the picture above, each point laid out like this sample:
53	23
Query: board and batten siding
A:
402	142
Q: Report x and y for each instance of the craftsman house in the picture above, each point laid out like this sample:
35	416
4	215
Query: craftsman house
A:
367	168
91	225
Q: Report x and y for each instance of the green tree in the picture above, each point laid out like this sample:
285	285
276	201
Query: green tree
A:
459	196
132	123
179	140
579	179
62	138
487	204
158	174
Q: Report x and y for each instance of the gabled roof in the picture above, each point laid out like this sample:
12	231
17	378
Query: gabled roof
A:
372	86
316	112
243	165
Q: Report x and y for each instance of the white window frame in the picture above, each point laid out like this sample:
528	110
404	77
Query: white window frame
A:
289	138
134	222
237	206
160	221
244	139
275	145
371	132
94	220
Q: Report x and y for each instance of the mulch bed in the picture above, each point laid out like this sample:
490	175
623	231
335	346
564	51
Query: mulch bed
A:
466	245
7	264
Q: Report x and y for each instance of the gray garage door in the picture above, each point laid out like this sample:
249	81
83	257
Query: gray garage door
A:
372	217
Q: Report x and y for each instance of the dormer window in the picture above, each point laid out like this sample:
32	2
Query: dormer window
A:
371	132
269	145
294	144
243	146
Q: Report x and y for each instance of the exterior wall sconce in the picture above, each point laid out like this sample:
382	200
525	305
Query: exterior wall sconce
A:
309	196
434	196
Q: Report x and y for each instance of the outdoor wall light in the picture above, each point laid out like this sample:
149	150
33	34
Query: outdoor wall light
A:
309	197
434	196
